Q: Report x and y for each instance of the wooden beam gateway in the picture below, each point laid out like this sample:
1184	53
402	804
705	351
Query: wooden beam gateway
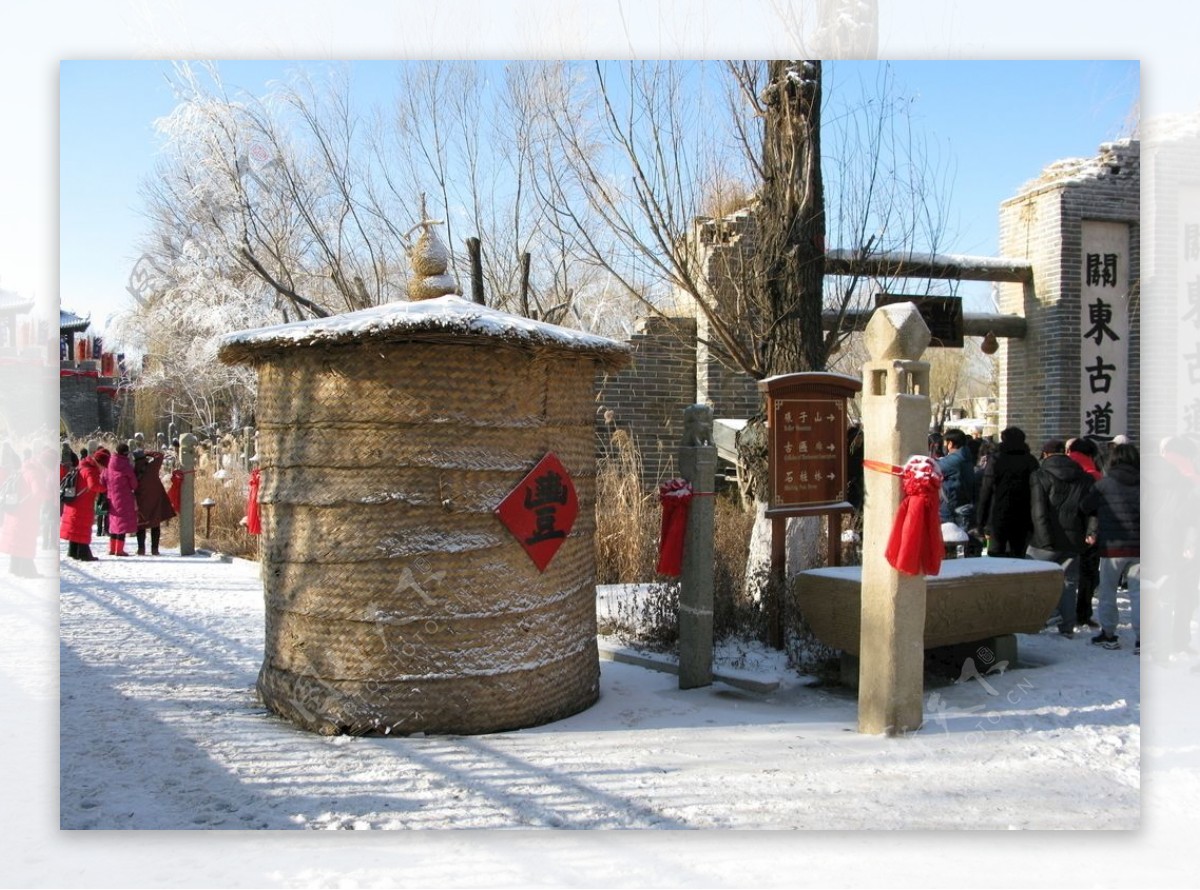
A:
943	266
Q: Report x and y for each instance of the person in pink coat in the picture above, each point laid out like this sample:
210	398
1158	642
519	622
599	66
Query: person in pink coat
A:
120	485
79	514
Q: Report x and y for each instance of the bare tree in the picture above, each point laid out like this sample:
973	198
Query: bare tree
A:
466	135
274	186
188	305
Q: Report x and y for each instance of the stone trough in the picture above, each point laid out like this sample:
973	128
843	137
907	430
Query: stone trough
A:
970	600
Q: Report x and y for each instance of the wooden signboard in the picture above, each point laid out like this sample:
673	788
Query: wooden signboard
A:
807	428
806	425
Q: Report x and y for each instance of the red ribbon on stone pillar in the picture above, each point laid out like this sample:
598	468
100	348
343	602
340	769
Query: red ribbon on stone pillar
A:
675	495
175	493
915	546
253	518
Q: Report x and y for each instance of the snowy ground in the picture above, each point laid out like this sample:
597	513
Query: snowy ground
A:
160	729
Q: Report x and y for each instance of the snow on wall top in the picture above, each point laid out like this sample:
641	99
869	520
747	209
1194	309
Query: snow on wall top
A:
1068	171
448	319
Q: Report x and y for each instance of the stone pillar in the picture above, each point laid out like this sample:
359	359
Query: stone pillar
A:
698	465
187	495
896	413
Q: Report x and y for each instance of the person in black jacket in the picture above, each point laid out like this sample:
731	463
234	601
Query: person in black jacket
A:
1005	511
1114	525
1085	452
1057	490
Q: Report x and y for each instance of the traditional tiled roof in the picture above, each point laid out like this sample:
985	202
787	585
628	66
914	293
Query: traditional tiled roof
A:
69	322
13	302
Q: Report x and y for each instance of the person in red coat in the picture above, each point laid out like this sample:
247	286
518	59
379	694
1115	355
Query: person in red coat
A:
19	530
79	514
120	484
154	508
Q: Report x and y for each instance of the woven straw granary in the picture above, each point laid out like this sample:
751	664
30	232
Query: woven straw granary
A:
396	601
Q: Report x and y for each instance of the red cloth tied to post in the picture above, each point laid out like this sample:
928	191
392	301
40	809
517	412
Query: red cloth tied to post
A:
915	546
175	493
253	519
675	495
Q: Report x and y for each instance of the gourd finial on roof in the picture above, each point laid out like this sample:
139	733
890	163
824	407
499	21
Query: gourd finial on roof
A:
430	259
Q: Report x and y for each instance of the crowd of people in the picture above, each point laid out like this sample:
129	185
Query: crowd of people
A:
1076	502
113	493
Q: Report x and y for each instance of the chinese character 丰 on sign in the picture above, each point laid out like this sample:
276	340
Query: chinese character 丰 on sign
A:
541	510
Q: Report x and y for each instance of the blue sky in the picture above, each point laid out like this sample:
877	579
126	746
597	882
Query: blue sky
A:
998	123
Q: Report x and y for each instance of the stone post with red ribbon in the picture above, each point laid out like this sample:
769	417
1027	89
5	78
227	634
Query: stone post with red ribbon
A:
896	413
698	465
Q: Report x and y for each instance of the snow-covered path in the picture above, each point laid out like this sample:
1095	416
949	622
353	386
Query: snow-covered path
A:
160	728
159	658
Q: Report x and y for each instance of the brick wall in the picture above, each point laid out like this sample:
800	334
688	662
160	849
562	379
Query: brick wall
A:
648	397
88	402
1040	375
78	404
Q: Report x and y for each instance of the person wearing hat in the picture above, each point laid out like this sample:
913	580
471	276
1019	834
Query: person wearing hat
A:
1005	512
79	513
1057	490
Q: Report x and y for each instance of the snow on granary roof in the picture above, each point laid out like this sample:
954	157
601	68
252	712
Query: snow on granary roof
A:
448	319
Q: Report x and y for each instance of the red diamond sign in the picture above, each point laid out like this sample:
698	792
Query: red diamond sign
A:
541	510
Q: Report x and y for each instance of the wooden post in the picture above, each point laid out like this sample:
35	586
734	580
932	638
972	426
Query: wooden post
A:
525	285
777	583
187	496
698	465
475	253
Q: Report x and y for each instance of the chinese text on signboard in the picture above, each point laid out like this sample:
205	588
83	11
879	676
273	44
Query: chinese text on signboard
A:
1104	328
809	455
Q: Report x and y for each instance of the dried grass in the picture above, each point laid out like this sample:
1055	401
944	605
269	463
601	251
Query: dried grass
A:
628	525
222	529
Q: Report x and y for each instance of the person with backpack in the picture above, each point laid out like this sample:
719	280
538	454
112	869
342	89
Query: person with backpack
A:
78	512
1057	490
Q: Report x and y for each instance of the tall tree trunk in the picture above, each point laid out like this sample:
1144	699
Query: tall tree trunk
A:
792	223
790	270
